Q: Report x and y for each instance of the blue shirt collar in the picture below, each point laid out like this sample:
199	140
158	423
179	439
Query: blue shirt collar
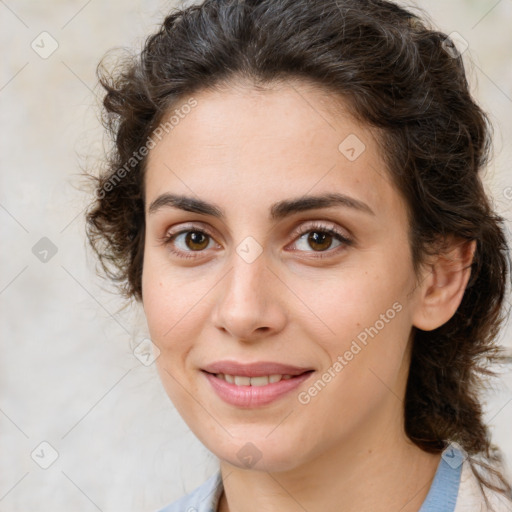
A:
444	490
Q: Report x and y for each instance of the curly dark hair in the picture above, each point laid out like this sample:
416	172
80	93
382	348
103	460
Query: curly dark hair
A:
398	74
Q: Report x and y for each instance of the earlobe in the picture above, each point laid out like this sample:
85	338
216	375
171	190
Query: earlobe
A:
442	288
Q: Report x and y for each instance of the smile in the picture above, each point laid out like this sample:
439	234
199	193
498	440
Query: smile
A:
249	392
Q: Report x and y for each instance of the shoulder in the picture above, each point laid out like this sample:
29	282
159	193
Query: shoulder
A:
204	498
471	497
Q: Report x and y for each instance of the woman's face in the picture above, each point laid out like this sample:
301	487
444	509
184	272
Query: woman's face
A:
251	273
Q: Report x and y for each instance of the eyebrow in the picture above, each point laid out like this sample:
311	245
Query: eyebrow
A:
278	210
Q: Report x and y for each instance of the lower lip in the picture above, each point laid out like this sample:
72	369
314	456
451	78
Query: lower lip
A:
254	396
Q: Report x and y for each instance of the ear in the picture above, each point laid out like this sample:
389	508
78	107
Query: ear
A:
443	284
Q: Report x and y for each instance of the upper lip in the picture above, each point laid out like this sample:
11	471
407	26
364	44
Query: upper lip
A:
257	369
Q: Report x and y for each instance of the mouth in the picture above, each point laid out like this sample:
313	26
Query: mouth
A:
254	391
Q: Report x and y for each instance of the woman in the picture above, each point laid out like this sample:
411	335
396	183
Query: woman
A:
294	197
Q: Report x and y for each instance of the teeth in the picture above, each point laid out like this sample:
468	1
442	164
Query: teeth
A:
252	381
242	381
259	381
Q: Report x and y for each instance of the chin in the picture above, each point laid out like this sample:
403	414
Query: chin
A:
259	452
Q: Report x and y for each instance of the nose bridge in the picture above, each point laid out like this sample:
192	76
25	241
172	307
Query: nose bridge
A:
248	262
245	279
247	305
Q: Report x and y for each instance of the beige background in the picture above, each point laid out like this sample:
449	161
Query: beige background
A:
68	376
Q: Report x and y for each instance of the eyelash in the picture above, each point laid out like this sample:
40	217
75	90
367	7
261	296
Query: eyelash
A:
168	239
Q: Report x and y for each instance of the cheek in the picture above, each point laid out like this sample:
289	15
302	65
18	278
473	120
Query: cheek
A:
173	326
157	299
354	300
369	326
176	307
366	360
169	298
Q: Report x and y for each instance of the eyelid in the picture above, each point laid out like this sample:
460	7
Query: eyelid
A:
307	226
193	226
184	228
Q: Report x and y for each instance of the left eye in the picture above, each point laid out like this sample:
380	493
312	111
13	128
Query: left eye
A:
321	238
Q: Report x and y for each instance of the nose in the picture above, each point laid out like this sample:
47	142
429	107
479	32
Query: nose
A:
250	305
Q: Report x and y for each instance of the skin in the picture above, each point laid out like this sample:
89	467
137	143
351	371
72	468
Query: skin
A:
244	150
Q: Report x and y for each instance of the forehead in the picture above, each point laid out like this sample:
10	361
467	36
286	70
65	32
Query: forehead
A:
285	141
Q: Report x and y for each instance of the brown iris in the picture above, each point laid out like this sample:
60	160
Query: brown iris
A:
319	238
198	239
